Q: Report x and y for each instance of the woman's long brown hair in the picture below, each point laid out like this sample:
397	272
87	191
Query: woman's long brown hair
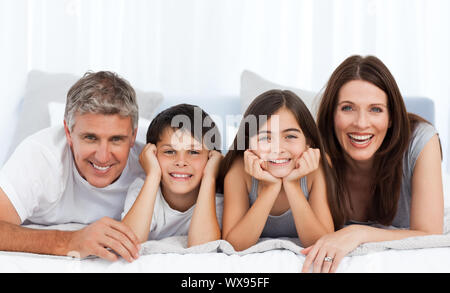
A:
267	104
388	160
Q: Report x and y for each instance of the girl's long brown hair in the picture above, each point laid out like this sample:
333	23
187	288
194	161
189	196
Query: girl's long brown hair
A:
267	104
388	161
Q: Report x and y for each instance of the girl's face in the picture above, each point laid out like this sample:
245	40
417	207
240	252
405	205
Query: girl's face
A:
182	160
279	142
361	119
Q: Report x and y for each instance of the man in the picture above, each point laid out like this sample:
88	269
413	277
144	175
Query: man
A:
78	173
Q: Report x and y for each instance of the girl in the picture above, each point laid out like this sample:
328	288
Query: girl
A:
276	179
387	163
178	195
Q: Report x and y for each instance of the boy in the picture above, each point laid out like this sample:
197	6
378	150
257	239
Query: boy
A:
178	195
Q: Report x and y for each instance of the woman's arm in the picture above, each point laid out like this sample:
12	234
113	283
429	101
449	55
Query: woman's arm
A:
139	217
204	226
312	217
427	198
242	226
426	216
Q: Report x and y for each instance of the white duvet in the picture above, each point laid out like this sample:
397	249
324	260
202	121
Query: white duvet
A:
425	254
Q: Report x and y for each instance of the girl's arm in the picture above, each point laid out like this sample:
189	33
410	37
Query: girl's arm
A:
426	216
139	217
312	217
242	226
204	226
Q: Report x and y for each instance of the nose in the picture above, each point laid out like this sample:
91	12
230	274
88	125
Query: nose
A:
361	121
277	146
180	160
103	153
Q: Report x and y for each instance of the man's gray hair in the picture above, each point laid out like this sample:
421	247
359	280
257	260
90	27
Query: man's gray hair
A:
104	93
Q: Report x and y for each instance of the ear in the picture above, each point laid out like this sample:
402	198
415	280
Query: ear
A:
68	136
133	139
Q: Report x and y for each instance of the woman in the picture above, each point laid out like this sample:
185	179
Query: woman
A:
386	162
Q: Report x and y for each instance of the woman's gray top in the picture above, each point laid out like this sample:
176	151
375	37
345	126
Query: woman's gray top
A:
420	137
282	225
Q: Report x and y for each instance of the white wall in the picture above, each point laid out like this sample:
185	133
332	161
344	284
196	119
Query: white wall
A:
200	47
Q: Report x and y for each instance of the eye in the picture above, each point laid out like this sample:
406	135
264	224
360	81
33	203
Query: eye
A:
264	138
90	137
169	152
291	136
376	109
347	108
116	139
194	152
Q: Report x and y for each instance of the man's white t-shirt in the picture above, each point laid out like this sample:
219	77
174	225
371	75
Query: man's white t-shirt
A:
166	221
43	184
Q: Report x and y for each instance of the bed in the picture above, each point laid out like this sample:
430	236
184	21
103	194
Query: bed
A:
420	254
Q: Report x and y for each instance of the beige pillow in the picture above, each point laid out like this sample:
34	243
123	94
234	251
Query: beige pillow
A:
253	85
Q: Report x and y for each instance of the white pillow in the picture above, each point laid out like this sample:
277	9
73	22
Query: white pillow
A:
56	113
252	85
42	88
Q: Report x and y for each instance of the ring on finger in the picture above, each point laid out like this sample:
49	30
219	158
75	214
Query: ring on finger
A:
328	259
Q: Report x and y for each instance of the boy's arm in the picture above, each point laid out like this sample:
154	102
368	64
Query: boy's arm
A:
204	226
139	217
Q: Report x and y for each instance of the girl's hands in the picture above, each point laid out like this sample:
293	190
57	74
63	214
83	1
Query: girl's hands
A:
149	162
334	246
255	167
212	166
307	163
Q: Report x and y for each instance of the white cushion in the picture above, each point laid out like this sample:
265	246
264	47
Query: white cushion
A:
252	85
42	88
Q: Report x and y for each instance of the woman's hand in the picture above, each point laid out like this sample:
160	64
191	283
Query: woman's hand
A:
255	167
212	166
149	162
326	254
305	164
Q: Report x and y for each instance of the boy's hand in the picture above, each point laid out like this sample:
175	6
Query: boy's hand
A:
307	163
148	160
212	166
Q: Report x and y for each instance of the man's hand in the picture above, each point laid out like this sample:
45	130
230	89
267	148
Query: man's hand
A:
105	233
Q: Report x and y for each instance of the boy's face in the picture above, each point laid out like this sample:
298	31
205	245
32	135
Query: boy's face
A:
182	160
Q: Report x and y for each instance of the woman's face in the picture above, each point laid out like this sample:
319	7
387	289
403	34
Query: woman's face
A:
361	119
279	142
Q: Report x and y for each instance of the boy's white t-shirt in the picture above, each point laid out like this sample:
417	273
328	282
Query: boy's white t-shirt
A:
166	221
43	183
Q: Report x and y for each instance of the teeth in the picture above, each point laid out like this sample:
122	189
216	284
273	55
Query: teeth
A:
279	161
360	137
180	175
101	168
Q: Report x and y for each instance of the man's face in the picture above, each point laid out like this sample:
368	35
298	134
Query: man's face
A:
100	145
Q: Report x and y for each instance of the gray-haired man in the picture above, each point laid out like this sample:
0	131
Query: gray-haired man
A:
78	173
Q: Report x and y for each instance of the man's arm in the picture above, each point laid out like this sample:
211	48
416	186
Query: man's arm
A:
91	240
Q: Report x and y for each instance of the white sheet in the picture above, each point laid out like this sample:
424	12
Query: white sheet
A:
425	260
430	260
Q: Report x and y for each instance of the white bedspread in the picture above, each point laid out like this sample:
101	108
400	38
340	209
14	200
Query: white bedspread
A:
415	254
